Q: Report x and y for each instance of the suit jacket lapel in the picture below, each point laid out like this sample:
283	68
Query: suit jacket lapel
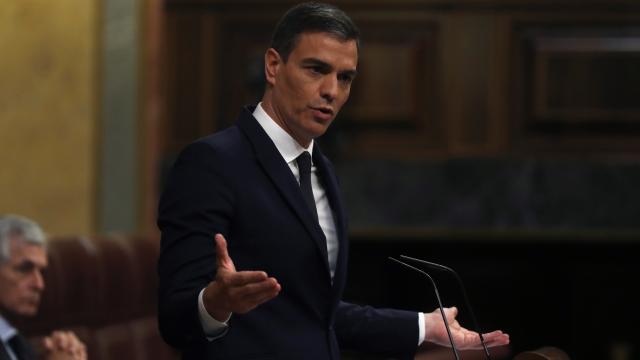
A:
3	352
280	173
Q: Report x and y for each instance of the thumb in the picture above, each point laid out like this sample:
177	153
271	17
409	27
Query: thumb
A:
451	312
222	255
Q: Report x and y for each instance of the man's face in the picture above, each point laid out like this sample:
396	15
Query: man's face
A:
310	88
21	281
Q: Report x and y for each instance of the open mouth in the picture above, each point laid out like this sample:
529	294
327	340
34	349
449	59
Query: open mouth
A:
326	111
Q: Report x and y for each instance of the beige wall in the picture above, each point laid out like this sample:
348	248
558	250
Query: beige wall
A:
48	112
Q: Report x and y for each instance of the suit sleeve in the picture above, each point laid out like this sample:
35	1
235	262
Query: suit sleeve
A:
196	204
383	331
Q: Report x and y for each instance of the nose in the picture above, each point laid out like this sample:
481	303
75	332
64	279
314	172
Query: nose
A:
329	88
38	281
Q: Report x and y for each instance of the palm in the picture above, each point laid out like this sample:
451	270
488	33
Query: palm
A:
463	338
235	291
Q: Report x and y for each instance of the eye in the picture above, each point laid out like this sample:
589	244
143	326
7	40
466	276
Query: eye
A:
345	78
25	267
315	70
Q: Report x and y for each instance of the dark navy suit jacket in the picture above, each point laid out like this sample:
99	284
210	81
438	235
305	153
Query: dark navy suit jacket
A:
235	182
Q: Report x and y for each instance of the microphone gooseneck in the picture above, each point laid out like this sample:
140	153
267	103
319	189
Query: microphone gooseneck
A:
464	295
435	288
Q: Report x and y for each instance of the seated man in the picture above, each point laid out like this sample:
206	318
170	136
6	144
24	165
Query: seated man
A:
22	259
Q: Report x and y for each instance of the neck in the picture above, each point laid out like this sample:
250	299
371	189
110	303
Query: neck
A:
268	107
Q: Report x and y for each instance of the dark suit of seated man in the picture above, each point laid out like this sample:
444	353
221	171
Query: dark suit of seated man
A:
22	259
269	285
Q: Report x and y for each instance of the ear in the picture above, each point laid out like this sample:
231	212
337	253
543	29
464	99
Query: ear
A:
272	61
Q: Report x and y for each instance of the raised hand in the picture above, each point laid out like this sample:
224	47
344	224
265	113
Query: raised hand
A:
236	291
435	332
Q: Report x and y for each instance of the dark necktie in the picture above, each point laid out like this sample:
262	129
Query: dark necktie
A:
304	167
21	348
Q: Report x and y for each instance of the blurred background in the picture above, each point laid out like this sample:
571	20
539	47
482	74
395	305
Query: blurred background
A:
499	137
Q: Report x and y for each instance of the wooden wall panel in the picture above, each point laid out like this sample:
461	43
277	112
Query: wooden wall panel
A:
189	77
469	40
437	79
586	79
575	85
240	52
394	107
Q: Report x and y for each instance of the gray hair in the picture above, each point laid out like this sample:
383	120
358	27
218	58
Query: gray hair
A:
21	228
312	17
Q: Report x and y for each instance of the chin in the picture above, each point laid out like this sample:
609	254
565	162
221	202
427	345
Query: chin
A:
319	130
28	310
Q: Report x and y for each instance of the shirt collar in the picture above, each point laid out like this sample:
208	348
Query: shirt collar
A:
287	146
6	330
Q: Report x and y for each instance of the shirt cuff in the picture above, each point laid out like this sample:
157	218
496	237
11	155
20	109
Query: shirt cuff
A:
421	328
212	328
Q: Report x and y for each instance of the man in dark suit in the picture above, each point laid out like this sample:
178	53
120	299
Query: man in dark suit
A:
269	285
22	259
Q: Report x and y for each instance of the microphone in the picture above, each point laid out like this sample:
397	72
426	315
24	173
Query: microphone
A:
435	288
464	295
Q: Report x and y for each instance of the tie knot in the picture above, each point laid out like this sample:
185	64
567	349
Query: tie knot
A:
304	163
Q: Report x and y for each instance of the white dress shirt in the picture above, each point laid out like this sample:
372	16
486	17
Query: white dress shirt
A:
6	333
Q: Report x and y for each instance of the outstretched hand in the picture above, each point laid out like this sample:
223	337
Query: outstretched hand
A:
464	339
236	291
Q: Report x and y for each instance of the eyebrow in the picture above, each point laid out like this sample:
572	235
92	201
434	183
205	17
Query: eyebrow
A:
324	65
29	264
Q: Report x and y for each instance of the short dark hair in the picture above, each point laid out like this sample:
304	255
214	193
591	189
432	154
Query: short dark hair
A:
312	17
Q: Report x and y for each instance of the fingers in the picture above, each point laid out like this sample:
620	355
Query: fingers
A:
60	340
248	297
496	338
245	290
67	343
221	298
471	340
242	278
236	291
464	339
48	343
251	287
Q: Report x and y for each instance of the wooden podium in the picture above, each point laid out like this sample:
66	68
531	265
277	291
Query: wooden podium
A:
544	353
